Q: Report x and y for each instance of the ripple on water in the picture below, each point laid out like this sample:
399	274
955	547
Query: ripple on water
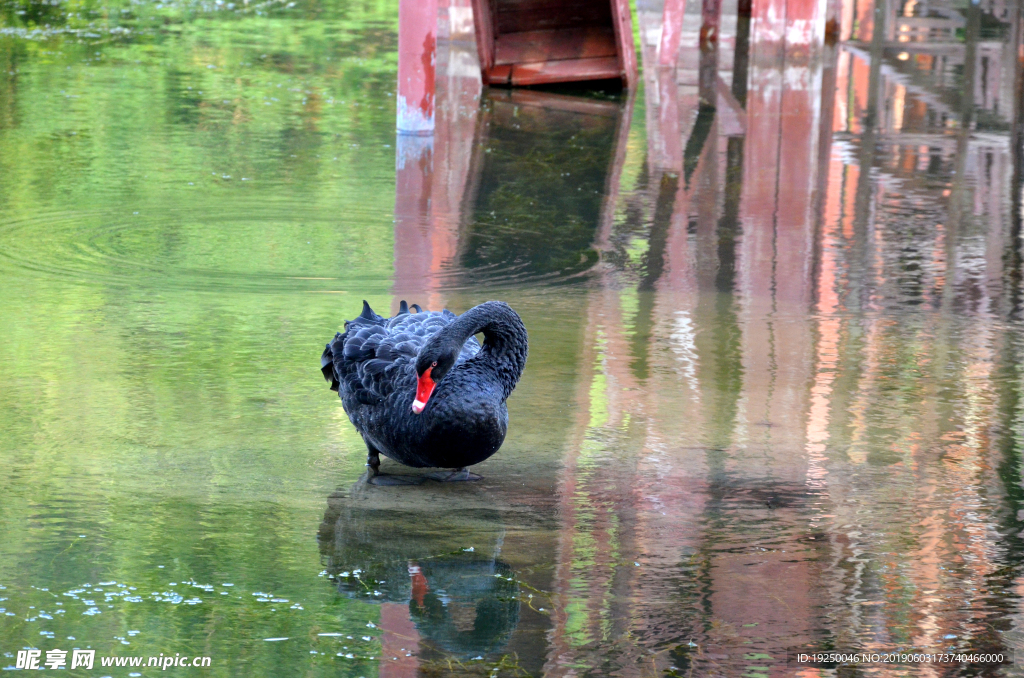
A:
268	248
283	249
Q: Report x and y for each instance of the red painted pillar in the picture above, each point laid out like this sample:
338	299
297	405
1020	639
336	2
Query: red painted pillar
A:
805	25
671	27
433	171
414	166
417	60
768	28
414	178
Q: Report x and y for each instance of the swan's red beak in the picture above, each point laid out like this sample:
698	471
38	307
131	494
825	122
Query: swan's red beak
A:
424	387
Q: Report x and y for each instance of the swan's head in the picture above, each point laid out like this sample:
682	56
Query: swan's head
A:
432	364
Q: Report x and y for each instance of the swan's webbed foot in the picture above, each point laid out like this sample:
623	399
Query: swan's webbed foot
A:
389	479
459	474
375	477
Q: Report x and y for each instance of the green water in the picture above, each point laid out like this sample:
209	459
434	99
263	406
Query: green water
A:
162	191
772	402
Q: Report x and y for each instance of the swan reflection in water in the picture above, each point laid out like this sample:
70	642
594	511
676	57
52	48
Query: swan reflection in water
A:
394	547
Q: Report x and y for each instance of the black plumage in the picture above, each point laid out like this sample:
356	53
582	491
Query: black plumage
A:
375	363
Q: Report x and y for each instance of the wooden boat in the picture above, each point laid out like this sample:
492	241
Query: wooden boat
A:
536	42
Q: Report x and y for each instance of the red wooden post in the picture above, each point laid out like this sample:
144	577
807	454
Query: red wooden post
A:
414	166
806	25
768	28
671	27
417	59
414	178
431	174
665	139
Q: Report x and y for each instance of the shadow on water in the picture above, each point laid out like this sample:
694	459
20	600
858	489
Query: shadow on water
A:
433	563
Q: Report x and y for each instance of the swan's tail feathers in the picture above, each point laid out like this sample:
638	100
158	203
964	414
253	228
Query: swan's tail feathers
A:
403	308
327	364
367	313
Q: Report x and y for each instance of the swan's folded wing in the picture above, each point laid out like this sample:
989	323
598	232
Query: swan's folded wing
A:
355	364
390	366
412	331
342	356
376	357
327	362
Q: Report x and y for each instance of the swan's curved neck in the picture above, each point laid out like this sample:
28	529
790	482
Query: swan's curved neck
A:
505	339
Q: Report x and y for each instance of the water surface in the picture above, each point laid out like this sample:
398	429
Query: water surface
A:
772	402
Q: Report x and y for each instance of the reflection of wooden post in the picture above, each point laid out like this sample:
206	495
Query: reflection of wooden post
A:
458	91
614	180
414	173
399	637
1017	153
741	54
711	18
665	154
664	140
775	258
431	174
417	59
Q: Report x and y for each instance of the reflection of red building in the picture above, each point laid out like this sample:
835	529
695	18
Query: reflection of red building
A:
802	221
400	642
431	172
737	392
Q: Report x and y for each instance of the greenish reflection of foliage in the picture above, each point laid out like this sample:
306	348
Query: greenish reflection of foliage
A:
145	421
193	117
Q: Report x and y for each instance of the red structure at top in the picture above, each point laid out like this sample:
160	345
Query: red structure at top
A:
534	42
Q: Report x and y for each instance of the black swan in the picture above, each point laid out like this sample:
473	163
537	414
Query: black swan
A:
421	389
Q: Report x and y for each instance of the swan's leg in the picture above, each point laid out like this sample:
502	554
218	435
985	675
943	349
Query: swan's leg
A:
373	461
459	474
375	477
